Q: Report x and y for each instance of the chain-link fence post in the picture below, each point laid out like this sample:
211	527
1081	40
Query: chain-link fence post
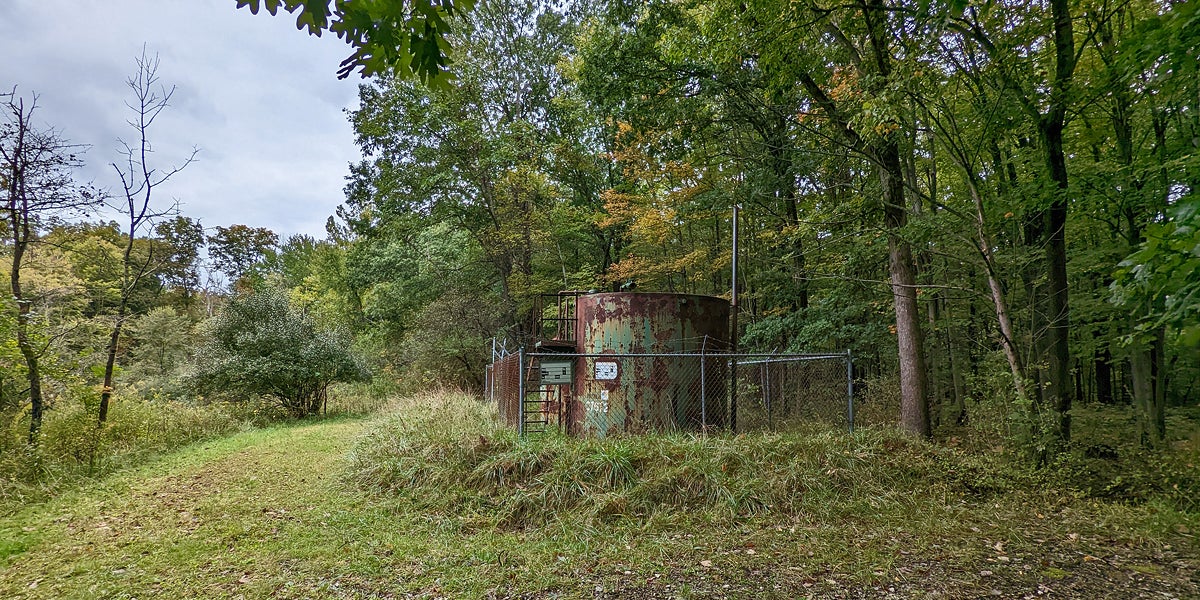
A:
521	392
703	387
733	393
764	380
490	378
850	389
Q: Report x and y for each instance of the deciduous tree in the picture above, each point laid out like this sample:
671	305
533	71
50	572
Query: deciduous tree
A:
236	249
37	184
139	179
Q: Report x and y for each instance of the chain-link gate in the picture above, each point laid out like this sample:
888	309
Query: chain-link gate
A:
614	394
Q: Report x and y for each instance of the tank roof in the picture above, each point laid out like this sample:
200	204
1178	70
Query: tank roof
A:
652	294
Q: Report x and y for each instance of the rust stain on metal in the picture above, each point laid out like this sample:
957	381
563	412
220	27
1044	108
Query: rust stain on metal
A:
652	393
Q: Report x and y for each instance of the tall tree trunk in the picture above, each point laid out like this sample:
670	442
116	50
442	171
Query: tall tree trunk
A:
885	154
934	362
955	360
24	344
1146	356
1045	232
1149	391
799	267
36	184
110	362
914	402
1102	368
19	214
1007	333
785	185
129	279
1055	343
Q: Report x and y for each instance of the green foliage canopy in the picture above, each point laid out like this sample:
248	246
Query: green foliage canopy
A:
236	249
404	37
1164	273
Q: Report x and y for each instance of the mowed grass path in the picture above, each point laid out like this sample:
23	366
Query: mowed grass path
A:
257	514
268	514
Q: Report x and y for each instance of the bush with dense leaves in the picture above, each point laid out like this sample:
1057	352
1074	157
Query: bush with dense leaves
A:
261	345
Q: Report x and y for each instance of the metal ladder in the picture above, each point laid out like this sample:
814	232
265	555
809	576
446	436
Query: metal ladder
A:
533	414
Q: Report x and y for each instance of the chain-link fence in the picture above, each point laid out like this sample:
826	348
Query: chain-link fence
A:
614	394
504	387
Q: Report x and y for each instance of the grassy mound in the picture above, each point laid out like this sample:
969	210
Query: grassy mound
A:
446	450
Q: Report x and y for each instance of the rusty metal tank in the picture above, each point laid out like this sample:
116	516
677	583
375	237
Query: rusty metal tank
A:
653	393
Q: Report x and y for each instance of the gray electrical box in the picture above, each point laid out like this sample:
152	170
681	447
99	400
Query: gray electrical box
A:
557	371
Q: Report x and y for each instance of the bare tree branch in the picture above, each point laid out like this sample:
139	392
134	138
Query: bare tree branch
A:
139	179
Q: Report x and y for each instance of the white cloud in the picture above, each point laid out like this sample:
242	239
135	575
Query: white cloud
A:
260	99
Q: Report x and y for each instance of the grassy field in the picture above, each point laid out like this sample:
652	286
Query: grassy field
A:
430	500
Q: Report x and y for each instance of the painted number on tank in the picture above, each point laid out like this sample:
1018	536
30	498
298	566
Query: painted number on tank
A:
606	370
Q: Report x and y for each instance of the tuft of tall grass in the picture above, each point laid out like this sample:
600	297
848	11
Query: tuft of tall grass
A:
72	446
357	399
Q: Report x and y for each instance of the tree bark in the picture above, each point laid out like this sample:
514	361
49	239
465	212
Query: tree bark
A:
935	376
1149	391
785	185
1102	368
1054	343
1045	230
110	362
139	180
999	302
1054	346
914	402
114	338
19	214
24	344
885	154
1146	357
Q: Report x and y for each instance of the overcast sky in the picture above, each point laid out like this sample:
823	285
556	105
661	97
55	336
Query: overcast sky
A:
260	99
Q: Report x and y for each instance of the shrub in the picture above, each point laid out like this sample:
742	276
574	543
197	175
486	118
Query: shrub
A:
260	345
